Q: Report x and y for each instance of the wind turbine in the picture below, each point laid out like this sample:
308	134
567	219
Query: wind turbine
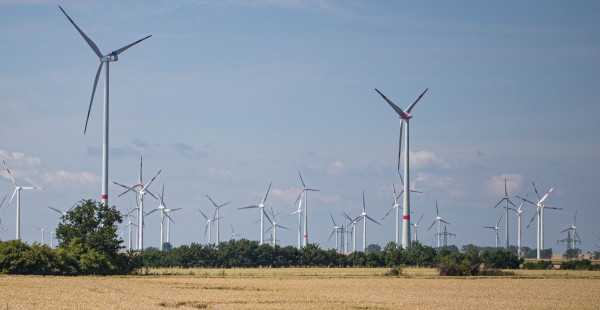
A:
17	191
110	57
335	231
496	229
128	226
404	116
304	192
63	213
261	206
42	230
519	212
574	229
217	207
161	207
439	220
540	215
274	226
299	211
415	227
168	212
507	208
143	189
208	225
353	223
364	216
446	234
233	234
396	206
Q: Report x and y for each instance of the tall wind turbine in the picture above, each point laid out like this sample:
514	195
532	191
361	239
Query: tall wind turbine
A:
299	211
507	208
143	189
353	222
439	220
364	217
168	212
304	192
397	207
162	207
17	192
405	116
540	215
261	206
42	230
335	231
217	207
496	229
574	229
108	58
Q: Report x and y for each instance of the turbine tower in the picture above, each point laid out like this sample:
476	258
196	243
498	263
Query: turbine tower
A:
304	192
335	231
299	211
415	225
161	207
17	192
519	213
405	116
209	223
274	226
143	189
42	230
507	208
439	220
540	215
261	206
364	217
217	207
108	58
496	229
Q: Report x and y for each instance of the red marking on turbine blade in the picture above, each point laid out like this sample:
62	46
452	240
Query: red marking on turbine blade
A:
406	217
104	197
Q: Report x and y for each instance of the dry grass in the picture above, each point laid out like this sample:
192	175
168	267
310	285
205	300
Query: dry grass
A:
304	288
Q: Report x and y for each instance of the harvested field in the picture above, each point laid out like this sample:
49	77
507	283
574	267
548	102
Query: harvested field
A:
304	288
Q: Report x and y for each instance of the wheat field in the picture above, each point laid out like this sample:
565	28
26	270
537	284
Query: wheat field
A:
303	288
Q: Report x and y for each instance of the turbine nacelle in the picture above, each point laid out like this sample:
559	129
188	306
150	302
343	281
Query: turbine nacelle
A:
110	57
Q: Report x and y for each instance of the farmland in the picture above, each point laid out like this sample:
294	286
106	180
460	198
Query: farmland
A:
304	288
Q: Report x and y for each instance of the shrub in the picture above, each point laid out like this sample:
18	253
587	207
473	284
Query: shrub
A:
541	265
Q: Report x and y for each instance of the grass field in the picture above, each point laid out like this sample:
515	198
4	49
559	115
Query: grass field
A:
303	288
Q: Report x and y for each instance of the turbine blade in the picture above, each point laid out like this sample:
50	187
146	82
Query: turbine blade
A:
372	220
30	187
437	212
204	215
10	175
500	219
13	195
413	104
88	40
266	194
1	203
431	225
71	208
574	218
445	222
417	223
153	210
511	203
334	224
566	230
388	213
301	180
534	215
249	207
333	232
548	193
505	191
400	148
124	48
536	192
149	192
499	202
395	107
92	99
173	210
60	212
212	201
363	201
268	218
148	185
282	226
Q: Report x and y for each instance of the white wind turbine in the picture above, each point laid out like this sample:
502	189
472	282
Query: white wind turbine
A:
519	212
335	231
439	220
162	207
217	207
507	208
274	226
17	192
364	217
42	230
304	192
415	225
129	227
404	116
574	229
110	57
396	206
261	206
209	223
540	215
233	234
496	229
299	211
63	213
168	212
353	222
143	189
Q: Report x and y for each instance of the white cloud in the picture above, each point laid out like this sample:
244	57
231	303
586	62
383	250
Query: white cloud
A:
222	175
495	185
427	182
336	168
428	160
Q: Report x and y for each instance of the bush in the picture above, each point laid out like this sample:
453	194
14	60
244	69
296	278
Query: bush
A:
541	265
583	264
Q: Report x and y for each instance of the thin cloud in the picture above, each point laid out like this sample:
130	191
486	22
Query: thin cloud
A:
494	187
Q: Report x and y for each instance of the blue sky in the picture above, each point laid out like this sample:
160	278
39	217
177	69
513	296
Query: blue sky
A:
228	96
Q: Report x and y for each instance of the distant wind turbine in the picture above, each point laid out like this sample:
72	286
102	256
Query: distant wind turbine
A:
496	229
63	213
17	192
110	57
209	222
415	225
364	217
233	234
540	215
519	213
404	116
42	230
439	220
574	229
274	226
507	208
304	192
335	231
261	206
217	208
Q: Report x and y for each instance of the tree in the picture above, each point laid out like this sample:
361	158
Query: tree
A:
572	254
373	248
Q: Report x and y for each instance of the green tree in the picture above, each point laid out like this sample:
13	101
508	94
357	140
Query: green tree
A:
572	253
373	248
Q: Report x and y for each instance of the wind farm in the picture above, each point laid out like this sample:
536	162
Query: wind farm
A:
231	104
